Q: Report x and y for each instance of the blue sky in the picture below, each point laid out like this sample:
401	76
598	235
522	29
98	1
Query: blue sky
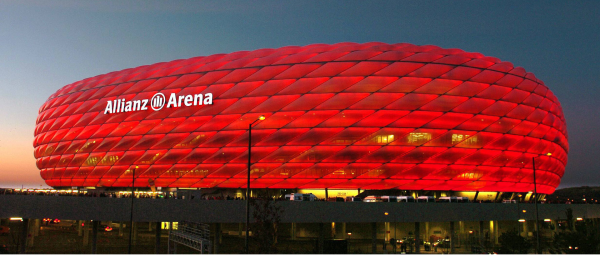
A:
45	45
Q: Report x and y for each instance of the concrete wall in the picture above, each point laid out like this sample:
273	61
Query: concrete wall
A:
234	211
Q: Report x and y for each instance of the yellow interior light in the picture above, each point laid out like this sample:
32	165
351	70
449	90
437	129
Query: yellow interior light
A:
547	220
548	154
262	117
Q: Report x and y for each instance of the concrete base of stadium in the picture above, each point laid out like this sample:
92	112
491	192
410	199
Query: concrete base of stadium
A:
307	227
80	236
234	211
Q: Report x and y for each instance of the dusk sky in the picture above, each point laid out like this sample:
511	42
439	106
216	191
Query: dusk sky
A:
45	45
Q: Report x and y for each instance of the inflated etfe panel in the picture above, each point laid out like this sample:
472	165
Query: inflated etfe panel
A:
342	116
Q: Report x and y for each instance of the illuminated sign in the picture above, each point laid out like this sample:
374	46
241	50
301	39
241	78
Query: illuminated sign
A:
157	102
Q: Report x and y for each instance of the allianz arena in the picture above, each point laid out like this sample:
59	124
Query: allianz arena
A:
366	116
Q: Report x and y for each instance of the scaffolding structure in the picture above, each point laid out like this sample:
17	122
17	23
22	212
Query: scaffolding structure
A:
191	234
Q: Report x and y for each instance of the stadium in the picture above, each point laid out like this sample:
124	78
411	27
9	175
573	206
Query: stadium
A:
346	117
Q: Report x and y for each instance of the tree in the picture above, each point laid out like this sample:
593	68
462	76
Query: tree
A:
581	238
512	242
584	240
267	216
570	218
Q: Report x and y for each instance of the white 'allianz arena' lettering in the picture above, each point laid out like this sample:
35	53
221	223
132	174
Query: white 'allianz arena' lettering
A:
157	102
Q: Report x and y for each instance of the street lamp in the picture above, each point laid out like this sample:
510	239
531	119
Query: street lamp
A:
519	214
262	117
131	211
537	227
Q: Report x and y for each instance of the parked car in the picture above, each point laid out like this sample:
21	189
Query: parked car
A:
372	199
463	199
300	197
406	199
335	199
425	199
353	199
389	198
447	200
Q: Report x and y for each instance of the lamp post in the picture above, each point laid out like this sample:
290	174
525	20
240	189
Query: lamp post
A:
519	213
262	117
537	227
131	211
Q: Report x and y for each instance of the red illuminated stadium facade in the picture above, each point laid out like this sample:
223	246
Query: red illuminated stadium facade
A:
345	116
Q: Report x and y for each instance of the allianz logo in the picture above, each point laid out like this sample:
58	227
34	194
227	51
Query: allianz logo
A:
157	102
